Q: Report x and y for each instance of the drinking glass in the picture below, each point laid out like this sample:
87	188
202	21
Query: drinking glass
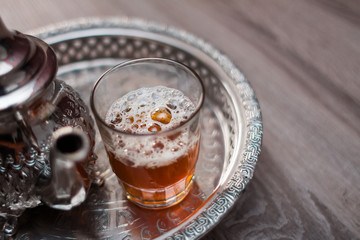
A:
156	166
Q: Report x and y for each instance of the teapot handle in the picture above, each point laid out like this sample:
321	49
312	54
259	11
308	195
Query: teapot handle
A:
26	129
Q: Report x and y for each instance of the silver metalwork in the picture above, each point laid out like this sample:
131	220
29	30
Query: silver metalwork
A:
33	104
27	68
67	188
231	132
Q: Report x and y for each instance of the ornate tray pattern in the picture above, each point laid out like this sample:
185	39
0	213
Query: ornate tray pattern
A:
231	132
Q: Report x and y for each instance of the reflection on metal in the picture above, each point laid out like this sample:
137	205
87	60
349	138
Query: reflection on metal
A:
231	133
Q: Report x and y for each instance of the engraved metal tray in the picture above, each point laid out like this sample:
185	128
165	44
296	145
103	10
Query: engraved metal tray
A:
231	133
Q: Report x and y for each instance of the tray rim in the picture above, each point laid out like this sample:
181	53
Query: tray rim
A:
213	211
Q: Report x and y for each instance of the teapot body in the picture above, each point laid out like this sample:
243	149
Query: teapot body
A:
25	167
36	111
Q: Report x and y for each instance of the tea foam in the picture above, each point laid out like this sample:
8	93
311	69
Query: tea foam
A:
148	110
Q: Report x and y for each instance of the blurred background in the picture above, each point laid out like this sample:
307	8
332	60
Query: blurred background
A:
303	61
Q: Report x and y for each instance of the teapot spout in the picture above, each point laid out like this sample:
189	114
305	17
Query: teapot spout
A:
69	182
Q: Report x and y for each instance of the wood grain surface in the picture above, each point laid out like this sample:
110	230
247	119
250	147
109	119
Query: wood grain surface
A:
303	60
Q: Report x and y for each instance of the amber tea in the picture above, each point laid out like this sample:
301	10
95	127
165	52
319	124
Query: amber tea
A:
151	134
158	169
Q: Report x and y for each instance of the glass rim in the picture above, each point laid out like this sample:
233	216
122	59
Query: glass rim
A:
145	60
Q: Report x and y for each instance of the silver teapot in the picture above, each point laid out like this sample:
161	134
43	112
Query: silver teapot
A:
46	132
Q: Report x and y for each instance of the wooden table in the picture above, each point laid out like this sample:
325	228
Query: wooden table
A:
303	60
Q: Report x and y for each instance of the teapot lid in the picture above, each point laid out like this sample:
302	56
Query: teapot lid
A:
27	67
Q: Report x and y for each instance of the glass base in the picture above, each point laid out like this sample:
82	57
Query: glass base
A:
159	198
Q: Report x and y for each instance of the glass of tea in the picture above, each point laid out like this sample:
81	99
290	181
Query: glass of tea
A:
147	111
